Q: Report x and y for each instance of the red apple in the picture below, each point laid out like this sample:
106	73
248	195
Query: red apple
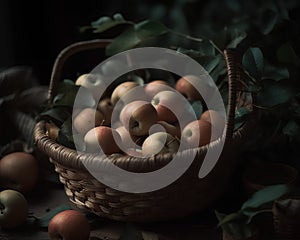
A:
102	137
13	209
106	107
138	116
19	171
196	134
87	119
156	86
160	142
169	105
69	225
186	86
216	120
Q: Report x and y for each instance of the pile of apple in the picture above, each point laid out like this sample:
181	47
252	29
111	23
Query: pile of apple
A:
144	120
19	172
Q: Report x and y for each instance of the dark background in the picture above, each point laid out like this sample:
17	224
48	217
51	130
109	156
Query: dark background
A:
34	32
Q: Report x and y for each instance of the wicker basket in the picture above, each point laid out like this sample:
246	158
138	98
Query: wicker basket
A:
185	196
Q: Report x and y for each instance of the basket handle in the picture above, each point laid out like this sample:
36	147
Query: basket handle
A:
65	54
229	55
233	72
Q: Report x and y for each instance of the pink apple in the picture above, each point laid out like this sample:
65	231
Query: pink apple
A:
196	134
169	106
102	137
106	107
217	122
156	86
93	82
121	90
128	140
160	142
87	119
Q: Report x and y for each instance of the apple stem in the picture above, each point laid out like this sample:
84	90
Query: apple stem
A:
171	141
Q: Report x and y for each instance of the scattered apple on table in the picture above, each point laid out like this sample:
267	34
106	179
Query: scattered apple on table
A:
69	225
19	171
13	209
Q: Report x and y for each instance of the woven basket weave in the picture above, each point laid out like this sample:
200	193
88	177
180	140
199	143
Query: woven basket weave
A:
185	196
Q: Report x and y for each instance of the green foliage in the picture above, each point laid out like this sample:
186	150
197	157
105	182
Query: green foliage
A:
135	35
239	223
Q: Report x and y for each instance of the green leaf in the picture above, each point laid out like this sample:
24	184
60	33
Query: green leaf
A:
275	73
123	42
56	115
65	135
105	23
231	218
197	108
274	93
229	38
236	37
291	129
135	35
264	196
209	63
268	21
286	54
253	62
44	220
149	29
241	115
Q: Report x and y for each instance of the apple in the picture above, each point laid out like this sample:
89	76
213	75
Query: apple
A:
156	86
196	134
173	129
138	116
128	140
105	106
52	131
186	86
102	137
216	120
121	90
87	119
160	142
13	209
169	105
69	225
19	171
93	82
